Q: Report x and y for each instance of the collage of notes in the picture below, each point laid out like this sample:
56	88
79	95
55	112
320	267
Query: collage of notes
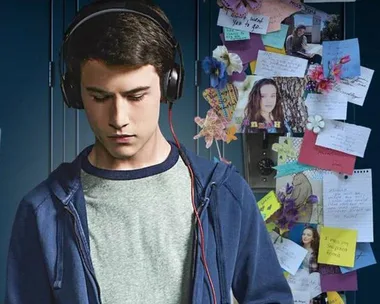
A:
284	67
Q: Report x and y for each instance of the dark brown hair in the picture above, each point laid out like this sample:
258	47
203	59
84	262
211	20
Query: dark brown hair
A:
315	242
297	41
122	39
252	109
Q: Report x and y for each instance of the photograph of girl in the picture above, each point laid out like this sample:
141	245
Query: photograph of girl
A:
263	111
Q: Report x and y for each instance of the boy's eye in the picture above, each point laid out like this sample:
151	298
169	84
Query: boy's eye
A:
100	98
136	97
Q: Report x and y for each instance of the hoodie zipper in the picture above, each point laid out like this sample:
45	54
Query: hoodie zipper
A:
82	252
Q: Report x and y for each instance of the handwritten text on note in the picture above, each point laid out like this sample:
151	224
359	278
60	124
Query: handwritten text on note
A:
272	65
355	88
337	246
329	106
344	137
348	202
235	35
251	23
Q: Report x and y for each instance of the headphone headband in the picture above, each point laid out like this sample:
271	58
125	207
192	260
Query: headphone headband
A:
172	82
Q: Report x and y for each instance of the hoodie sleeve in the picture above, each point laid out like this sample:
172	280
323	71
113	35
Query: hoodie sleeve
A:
27	280
258	277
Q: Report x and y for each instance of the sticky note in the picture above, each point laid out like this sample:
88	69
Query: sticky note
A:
337	246
276	39
334	298
363	257
268	205
291	168
234	35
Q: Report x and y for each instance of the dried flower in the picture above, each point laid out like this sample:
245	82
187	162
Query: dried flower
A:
241	7
217	71
315	123
231	60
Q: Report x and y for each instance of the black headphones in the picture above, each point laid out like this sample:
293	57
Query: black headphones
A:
172	82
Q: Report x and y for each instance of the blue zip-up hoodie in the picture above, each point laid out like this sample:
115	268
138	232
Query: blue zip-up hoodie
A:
49	257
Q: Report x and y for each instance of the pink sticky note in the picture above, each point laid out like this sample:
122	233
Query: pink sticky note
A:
277	11
324	158
246	49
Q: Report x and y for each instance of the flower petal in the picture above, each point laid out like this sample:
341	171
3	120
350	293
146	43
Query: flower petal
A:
318	118
316	130
309	126
311	119
321	124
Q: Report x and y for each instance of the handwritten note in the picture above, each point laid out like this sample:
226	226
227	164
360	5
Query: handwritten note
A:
268	205
222	101
233	34
270	49
291	168
277	11
290	255
251	23
334	298
344	137
337	246
305	282
355	88
301	297
363	257
333	51
272	65
330	106
324	158
276	39
348	202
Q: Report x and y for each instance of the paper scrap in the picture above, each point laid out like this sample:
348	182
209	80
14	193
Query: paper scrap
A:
305	282
235	35
291	168
332	279
324	158
270	49
337	246
364	257
334	298
272	65
276	39
333	51
268	205
251	22
355	88
308	10
348	203
246	49
344	137
330	106
301	297
290	255
277	11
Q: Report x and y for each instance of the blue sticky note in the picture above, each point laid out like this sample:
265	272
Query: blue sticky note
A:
333	51
235	35
291	168
276	39
363	257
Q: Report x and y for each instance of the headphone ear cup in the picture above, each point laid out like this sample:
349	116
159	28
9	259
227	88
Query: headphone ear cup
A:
172	84
70	92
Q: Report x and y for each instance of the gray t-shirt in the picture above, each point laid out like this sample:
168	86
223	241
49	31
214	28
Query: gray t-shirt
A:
140	227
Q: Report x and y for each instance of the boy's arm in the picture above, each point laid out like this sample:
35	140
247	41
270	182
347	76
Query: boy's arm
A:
258	277
27	280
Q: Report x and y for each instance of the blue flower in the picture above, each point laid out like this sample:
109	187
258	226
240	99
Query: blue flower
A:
217	71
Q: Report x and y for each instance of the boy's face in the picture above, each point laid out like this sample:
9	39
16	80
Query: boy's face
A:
122	107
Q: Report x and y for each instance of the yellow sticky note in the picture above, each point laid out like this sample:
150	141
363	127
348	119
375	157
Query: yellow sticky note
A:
268	205
337	246
334	298
252	64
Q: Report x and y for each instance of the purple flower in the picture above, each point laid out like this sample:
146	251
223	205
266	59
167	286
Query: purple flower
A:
217	71
312	199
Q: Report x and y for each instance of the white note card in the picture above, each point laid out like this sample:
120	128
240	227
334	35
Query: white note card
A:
355	88
348	203
303	281
348	138
330	106
251	23
301	297
272	64
289	254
